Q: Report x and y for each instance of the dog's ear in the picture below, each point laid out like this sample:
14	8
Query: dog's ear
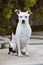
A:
29	12
17	11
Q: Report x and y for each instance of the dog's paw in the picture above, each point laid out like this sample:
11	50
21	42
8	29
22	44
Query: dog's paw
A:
20	55
14	54
27	54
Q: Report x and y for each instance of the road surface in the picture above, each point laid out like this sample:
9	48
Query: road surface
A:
35	57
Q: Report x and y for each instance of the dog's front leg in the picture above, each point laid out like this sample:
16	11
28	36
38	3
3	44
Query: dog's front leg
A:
26	49
19	50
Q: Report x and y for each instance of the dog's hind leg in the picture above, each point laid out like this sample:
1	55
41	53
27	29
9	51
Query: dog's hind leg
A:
10	50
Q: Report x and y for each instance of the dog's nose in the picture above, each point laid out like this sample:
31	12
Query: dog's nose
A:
23	21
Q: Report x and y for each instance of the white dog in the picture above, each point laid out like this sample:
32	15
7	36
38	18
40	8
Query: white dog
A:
21	39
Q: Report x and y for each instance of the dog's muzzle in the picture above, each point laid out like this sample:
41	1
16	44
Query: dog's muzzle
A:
23	21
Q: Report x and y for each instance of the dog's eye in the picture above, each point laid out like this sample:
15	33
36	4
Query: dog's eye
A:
25	16
20	16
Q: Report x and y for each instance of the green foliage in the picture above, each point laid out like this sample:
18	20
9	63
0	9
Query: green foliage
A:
2	31
29	3
7	11
38	11
9	6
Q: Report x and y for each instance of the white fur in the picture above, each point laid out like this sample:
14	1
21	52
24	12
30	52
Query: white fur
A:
23	33
13	41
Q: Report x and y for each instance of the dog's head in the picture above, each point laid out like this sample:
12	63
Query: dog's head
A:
23	16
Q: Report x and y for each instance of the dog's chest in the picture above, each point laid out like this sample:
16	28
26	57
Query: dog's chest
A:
24	33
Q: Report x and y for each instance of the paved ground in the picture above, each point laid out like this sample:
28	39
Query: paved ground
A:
35	57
